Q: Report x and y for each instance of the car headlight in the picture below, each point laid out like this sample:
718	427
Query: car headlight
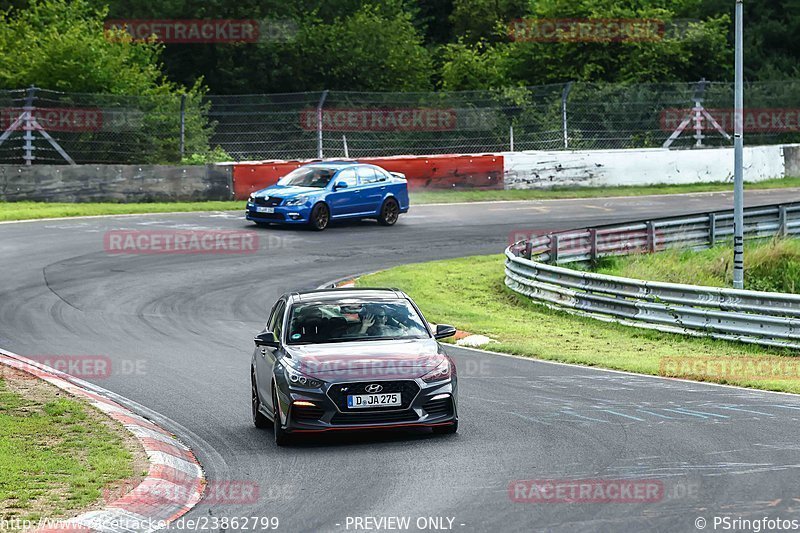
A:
441	373
297	379
299	200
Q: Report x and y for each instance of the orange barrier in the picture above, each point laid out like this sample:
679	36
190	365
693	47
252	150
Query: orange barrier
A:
423	172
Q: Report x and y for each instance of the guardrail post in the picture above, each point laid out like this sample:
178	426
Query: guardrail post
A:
782	222
528	253
554	249
712	230
593	246
651	236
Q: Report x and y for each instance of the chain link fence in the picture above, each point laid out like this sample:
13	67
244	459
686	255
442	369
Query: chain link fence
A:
41	126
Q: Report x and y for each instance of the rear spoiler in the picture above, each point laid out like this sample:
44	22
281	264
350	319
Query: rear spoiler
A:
398	175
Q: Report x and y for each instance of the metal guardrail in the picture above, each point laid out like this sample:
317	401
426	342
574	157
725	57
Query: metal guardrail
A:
766	318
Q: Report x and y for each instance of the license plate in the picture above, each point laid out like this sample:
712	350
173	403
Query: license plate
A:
359	401
260	209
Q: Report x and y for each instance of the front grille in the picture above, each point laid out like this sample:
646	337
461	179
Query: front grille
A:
408	391
267	216
307	413
271	202
374	418
442	406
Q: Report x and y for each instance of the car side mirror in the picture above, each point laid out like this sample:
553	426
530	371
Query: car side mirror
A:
340	185
266	338
444	330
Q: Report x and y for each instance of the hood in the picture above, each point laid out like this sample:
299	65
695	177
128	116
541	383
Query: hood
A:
357	361
287	192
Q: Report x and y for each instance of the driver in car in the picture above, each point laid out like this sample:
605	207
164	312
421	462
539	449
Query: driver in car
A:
375	322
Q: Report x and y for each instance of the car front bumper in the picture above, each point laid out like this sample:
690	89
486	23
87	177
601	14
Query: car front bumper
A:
295	214
423	404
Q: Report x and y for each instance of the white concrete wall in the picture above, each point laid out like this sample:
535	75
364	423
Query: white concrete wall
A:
595	168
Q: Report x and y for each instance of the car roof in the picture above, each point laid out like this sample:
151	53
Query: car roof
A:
338	163
348	293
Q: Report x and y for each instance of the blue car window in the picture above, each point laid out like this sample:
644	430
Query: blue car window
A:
317	177
367	175
348	176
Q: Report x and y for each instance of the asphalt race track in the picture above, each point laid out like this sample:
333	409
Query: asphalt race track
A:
178	330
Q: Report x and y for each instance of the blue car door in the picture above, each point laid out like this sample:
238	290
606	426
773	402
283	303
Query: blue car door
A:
373	188
345	201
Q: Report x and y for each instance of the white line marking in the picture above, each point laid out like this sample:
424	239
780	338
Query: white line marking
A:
581	416
656	414
690	414
683	409
742	410
624	415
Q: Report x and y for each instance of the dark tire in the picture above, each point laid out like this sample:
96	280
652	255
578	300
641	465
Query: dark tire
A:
446	430
282	438
259	420
390	212
320	217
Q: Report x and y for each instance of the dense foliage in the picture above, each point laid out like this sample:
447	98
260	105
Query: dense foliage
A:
392	45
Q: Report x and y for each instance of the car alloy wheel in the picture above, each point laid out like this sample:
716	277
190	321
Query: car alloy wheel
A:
320	216
390	212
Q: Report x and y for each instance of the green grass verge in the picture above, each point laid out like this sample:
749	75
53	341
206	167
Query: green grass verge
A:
37	210
469	293
772	265
56	454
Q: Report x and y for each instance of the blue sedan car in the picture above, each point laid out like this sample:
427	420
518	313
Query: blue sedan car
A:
317	193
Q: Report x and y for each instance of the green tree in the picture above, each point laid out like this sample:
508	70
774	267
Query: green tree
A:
61	45
367	51
700	49
485	20
473	67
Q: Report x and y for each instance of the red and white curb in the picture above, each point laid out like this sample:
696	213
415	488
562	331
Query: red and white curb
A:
174	483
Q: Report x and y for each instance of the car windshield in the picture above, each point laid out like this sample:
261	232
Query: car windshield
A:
317	177
323	322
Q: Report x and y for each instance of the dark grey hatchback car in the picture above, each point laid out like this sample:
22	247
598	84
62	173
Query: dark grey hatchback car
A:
351	359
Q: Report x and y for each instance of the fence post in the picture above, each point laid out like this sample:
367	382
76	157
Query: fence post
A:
564	95
29	125
182	147
782	222
554	249
651	236
699	93
712	230
511	138
344	144
319	122
528	250
593	246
